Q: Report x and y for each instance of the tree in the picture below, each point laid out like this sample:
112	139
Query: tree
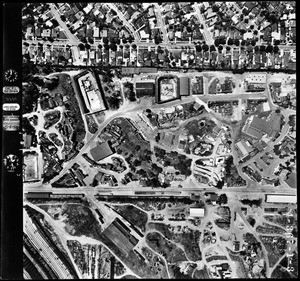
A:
220	48
256	49
222	200
63	18
276	42
253	43
262	48
237	42
113	47
100	46
229	41
205	48
198	48
255	32
55	22
134	46
272	18
81	47
215	8
217	42
212	48
87	46
105	40
276	49
228	48
130	39
83	40
91	40
245	11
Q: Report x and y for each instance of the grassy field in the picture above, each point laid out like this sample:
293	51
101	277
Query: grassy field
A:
169	250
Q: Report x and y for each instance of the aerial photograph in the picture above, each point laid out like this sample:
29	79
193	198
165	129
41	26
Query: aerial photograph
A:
159	140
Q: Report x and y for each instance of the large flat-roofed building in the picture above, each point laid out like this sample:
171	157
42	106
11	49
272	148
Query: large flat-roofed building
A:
119	234
257	79
167	88
90	92
256	127
281	198
244	147
101	151
197	212
144	89
292	180
184	86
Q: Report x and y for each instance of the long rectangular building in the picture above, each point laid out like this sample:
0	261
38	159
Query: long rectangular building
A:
281	198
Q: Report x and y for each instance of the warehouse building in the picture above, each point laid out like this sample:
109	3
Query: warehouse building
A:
282	198
119	234
184	86
144	89
197	212
101	151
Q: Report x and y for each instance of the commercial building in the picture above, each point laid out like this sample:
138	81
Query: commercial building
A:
90	91
144	89
197	212
166	88
292	180
257	79
282	198
101	151
244	147
184	86
256	127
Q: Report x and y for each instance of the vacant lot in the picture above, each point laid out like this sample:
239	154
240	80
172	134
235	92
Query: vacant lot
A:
134	215
189	240
167	249
78	219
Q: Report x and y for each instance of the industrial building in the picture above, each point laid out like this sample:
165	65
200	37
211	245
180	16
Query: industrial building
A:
282	198
119	234
184	86
256	127
197	212
101	151
144	89
90	92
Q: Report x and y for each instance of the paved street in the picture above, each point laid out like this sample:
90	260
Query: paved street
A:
207	35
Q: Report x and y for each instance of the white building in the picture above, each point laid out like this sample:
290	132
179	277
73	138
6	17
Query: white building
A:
197	212
282	198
